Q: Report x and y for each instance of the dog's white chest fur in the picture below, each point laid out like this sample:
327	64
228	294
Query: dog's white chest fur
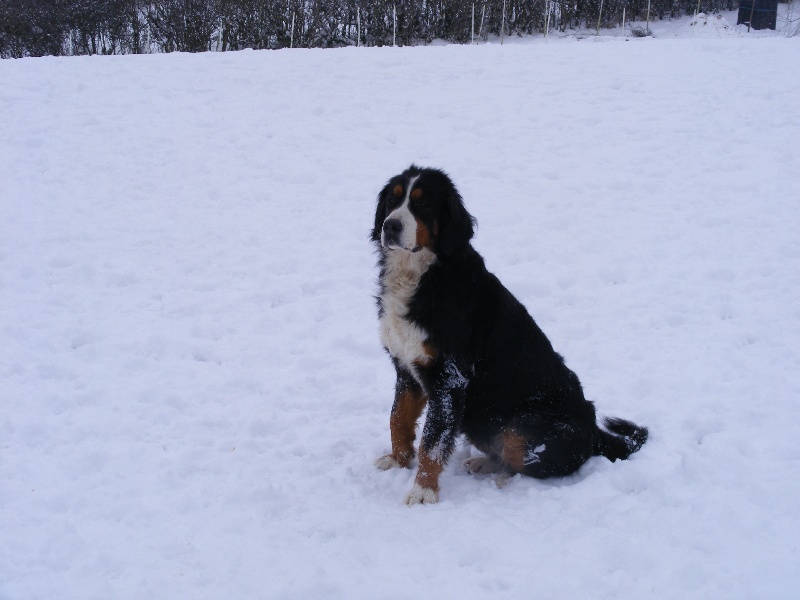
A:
402	338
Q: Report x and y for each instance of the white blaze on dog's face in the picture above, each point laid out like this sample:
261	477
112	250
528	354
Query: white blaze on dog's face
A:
400	226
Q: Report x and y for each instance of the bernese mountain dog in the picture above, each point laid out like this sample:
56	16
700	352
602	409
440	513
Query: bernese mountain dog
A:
463	345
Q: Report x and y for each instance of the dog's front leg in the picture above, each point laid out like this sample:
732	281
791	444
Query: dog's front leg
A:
446	388
409	401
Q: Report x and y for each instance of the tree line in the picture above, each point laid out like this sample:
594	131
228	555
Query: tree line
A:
77	27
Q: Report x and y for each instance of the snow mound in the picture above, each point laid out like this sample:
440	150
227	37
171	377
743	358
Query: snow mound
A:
703	25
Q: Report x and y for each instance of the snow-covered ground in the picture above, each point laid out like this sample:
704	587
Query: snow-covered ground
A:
192	390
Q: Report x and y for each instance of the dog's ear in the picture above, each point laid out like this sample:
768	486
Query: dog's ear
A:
456	225
380	214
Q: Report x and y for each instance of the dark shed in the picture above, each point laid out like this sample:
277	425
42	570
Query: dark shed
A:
764	13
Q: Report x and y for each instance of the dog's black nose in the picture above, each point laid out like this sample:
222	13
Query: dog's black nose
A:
392	231
392	227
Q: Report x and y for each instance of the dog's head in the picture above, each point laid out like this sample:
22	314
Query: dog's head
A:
421	208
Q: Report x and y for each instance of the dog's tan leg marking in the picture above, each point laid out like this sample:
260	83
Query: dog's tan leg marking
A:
513	452
426	483
407	408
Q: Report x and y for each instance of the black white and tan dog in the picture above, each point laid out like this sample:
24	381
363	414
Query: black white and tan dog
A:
463	345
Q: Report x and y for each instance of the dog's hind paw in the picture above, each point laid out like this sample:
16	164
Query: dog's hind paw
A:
481	465
421	495
501	480
384	463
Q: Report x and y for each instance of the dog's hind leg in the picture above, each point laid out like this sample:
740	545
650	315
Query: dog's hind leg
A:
541	448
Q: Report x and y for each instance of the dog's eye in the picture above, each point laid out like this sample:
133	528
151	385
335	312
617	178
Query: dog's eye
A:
418	198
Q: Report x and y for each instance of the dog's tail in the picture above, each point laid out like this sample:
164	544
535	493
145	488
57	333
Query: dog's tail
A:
619	439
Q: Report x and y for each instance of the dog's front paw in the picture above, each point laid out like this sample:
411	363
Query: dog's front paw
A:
421	495
384	463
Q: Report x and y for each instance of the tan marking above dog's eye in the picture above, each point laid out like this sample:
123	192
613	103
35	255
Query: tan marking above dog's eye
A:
398	190
416	194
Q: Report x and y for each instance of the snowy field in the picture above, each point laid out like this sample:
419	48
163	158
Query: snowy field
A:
192	390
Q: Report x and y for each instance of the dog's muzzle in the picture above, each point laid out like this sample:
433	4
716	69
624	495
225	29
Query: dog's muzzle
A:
392	233
397	236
